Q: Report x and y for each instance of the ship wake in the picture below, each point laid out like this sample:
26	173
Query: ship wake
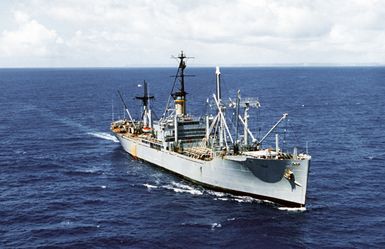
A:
104	135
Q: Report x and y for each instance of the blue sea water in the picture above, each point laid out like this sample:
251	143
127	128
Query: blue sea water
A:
65	182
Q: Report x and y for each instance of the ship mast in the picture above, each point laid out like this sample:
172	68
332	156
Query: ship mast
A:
147	120
219	122
179	96
222	134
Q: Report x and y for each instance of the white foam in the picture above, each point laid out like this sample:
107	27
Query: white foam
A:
215	225
103	186
300	209
222	199
149	186
183	188
215	193
93	170
245	199
104	135
66	223
180	187
249	199
241	199
193	191
20	152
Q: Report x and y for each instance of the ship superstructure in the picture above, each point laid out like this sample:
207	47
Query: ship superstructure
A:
205	150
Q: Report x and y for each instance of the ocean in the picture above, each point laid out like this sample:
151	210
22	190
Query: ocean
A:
65	182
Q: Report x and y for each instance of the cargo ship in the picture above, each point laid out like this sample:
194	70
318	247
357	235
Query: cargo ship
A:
207	152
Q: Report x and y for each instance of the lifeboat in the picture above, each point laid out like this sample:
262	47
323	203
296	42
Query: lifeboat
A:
146	129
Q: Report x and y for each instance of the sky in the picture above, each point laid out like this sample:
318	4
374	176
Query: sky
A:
141	33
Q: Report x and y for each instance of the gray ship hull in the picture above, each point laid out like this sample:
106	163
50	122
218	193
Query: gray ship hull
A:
244	175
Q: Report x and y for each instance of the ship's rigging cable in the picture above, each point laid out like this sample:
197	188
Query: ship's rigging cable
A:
112	109
258	122
126	109
284	135
179	74
296	140
170	95
222	117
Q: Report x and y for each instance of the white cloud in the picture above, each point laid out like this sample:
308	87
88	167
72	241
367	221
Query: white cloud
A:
21	17
29	39
136	32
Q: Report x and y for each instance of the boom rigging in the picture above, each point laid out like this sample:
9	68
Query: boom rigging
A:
146	115
126	109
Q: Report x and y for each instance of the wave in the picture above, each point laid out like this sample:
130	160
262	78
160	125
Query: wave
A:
240	199
183	188
289	209
176	187
375	158
249	199
180	187
104	135
215	225
216	193
149	186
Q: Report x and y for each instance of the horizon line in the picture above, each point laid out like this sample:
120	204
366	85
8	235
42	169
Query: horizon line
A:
282	65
